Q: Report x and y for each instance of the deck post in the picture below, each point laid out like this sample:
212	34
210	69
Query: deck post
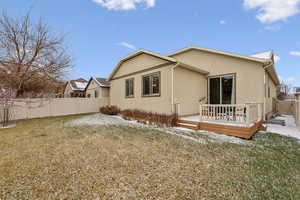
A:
259	111
247	114
200	113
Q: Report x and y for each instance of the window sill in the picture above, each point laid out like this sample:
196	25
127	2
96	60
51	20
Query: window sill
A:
154	95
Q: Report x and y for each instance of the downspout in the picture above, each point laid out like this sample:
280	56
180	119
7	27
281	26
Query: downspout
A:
172	87
265	92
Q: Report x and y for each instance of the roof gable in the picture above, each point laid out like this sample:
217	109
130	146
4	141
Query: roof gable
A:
102	82
136	54
77	84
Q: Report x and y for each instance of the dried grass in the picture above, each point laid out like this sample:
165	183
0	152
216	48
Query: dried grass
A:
43	159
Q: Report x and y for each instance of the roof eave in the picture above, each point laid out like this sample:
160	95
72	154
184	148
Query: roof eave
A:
192	68
219	52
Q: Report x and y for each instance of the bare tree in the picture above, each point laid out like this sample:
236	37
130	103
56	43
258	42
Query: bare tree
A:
30	54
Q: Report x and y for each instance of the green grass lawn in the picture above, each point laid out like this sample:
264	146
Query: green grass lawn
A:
46	159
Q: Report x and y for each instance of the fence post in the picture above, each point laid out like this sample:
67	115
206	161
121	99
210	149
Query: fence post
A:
200	114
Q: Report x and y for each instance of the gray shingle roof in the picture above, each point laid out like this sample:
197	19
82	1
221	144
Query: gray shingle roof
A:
79	84
103	82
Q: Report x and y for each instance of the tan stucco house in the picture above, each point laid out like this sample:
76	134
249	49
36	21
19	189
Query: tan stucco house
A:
182	81
75	88
97	88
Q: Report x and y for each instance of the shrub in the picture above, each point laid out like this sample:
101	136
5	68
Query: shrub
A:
110	110
150	117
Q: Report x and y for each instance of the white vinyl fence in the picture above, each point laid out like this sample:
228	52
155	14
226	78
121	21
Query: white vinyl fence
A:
39	108
232	113
287	107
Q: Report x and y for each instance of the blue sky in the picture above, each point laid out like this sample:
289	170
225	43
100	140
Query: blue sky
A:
100	32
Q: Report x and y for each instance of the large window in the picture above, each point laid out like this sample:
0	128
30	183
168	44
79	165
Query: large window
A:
129	88
222	89
151	84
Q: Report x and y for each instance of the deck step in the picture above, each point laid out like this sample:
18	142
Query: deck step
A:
187	122
187	126
238	131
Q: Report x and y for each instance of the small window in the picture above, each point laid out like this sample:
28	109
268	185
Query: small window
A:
269	95
151	85
96	94
129	88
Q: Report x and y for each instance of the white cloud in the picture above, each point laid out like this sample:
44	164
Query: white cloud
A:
291	79
125	44
124	4
223	22
276	59
295	53
273	10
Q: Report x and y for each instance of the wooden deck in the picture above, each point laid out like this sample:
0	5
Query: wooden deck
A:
238	131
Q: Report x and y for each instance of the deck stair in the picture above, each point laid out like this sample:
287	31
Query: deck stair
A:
188	124
238	131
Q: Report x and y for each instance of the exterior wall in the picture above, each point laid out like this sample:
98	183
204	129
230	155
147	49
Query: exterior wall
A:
138	63
90	90
105	92
270	100
249	75
93	86
39	108
68	91
189	88
159	104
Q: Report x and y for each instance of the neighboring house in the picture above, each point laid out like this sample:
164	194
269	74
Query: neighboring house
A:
75	88
97	88
296	90
182	81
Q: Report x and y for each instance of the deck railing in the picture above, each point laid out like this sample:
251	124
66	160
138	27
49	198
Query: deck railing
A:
232	113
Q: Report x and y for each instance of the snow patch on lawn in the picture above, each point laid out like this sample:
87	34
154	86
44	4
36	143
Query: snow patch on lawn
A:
290	129
101	119
9	126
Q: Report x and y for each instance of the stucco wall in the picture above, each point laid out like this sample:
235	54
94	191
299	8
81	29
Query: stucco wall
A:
105	92
38	108
249	75
68	91
273	95
189	88
160	104
138	63
90	90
